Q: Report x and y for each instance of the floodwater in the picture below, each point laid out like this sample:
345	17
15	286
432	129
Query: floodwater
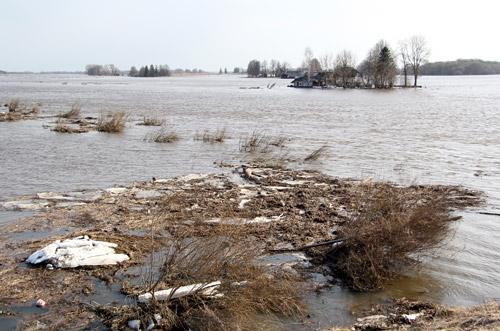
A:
446	133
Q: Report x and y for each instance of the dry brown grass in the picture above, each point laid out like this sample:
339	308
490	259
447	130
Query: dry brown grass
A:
255	142
74	112
61	127
152	121
392	228
317	154
279	141
163	135
112	123
249	293
218	136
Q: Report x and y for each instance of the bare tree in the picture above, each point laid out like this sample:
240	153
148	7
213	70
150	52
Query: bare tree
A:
417	54
314	65
273	66
344	67
326	61
403	55
308	56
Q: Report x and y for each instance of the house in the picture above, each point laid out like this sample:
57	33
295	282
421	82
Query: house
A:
302	81
318	79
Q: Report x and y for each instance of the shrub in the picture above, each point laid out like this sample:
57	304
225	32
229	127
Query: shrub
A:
392	230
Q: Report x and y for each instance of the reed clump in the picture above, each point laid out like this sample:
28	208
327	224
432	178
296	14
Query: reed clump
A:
163	135
218	136
112	123
247	291
152	121
73	113
13	105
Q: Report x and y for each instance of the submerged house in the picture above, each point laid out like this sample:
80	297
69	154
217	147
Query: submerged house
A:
317	79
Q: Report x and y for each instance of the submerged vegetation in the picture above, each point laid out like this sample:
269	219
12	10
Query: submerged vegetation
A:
152	121
393	228
218	136
163	135
112	123
17	111
240	290
317	154
74	112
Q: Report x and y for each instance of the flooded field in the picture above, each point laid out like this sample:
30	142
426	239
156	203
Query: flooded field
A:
445	133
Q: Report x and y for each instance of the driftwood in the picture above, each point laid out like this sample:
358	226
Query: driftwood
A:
489	213
302	248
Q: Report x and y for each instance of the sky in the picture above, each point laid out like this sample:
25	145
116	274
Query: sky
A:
51	35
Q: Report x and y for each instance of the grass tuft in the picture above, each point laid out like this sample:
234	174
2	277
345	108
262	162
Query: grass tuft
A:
114	123
162	135
74	112
219	136
152	121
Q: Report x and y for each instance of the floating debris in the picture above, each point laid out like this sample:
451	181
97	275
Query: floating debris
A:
207	290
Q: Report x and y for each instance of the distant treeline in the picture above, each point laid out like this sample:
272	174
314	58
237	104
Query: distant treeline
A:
151	71
461	67
102	70
3	72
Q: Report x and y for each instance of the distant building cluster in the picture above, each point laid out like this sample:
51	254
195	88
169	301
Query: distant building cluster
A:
379	69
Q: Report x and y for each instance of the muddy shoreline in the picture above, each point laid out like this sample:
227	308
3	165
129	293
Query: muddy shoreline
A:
272	210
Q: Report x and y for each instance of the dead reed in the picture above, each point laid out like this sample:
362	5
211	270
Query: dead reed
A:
248	293
74	112
218	136
112	123
13	105
317	154
393	228
163	135
152	121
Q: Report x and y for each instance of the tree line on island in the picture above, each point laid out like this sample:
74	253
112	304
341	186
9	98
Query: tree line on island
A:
144	71
380	68
461	67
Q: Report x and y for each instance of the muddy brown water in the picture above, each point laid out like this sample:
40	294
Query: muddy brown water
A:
446	132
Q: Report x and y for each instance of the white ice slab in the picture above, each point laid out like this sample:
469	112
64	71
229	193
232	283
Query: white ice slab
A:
76	252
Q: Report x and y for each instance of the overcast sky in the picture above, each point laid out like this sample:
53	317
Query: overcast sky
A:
47	35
